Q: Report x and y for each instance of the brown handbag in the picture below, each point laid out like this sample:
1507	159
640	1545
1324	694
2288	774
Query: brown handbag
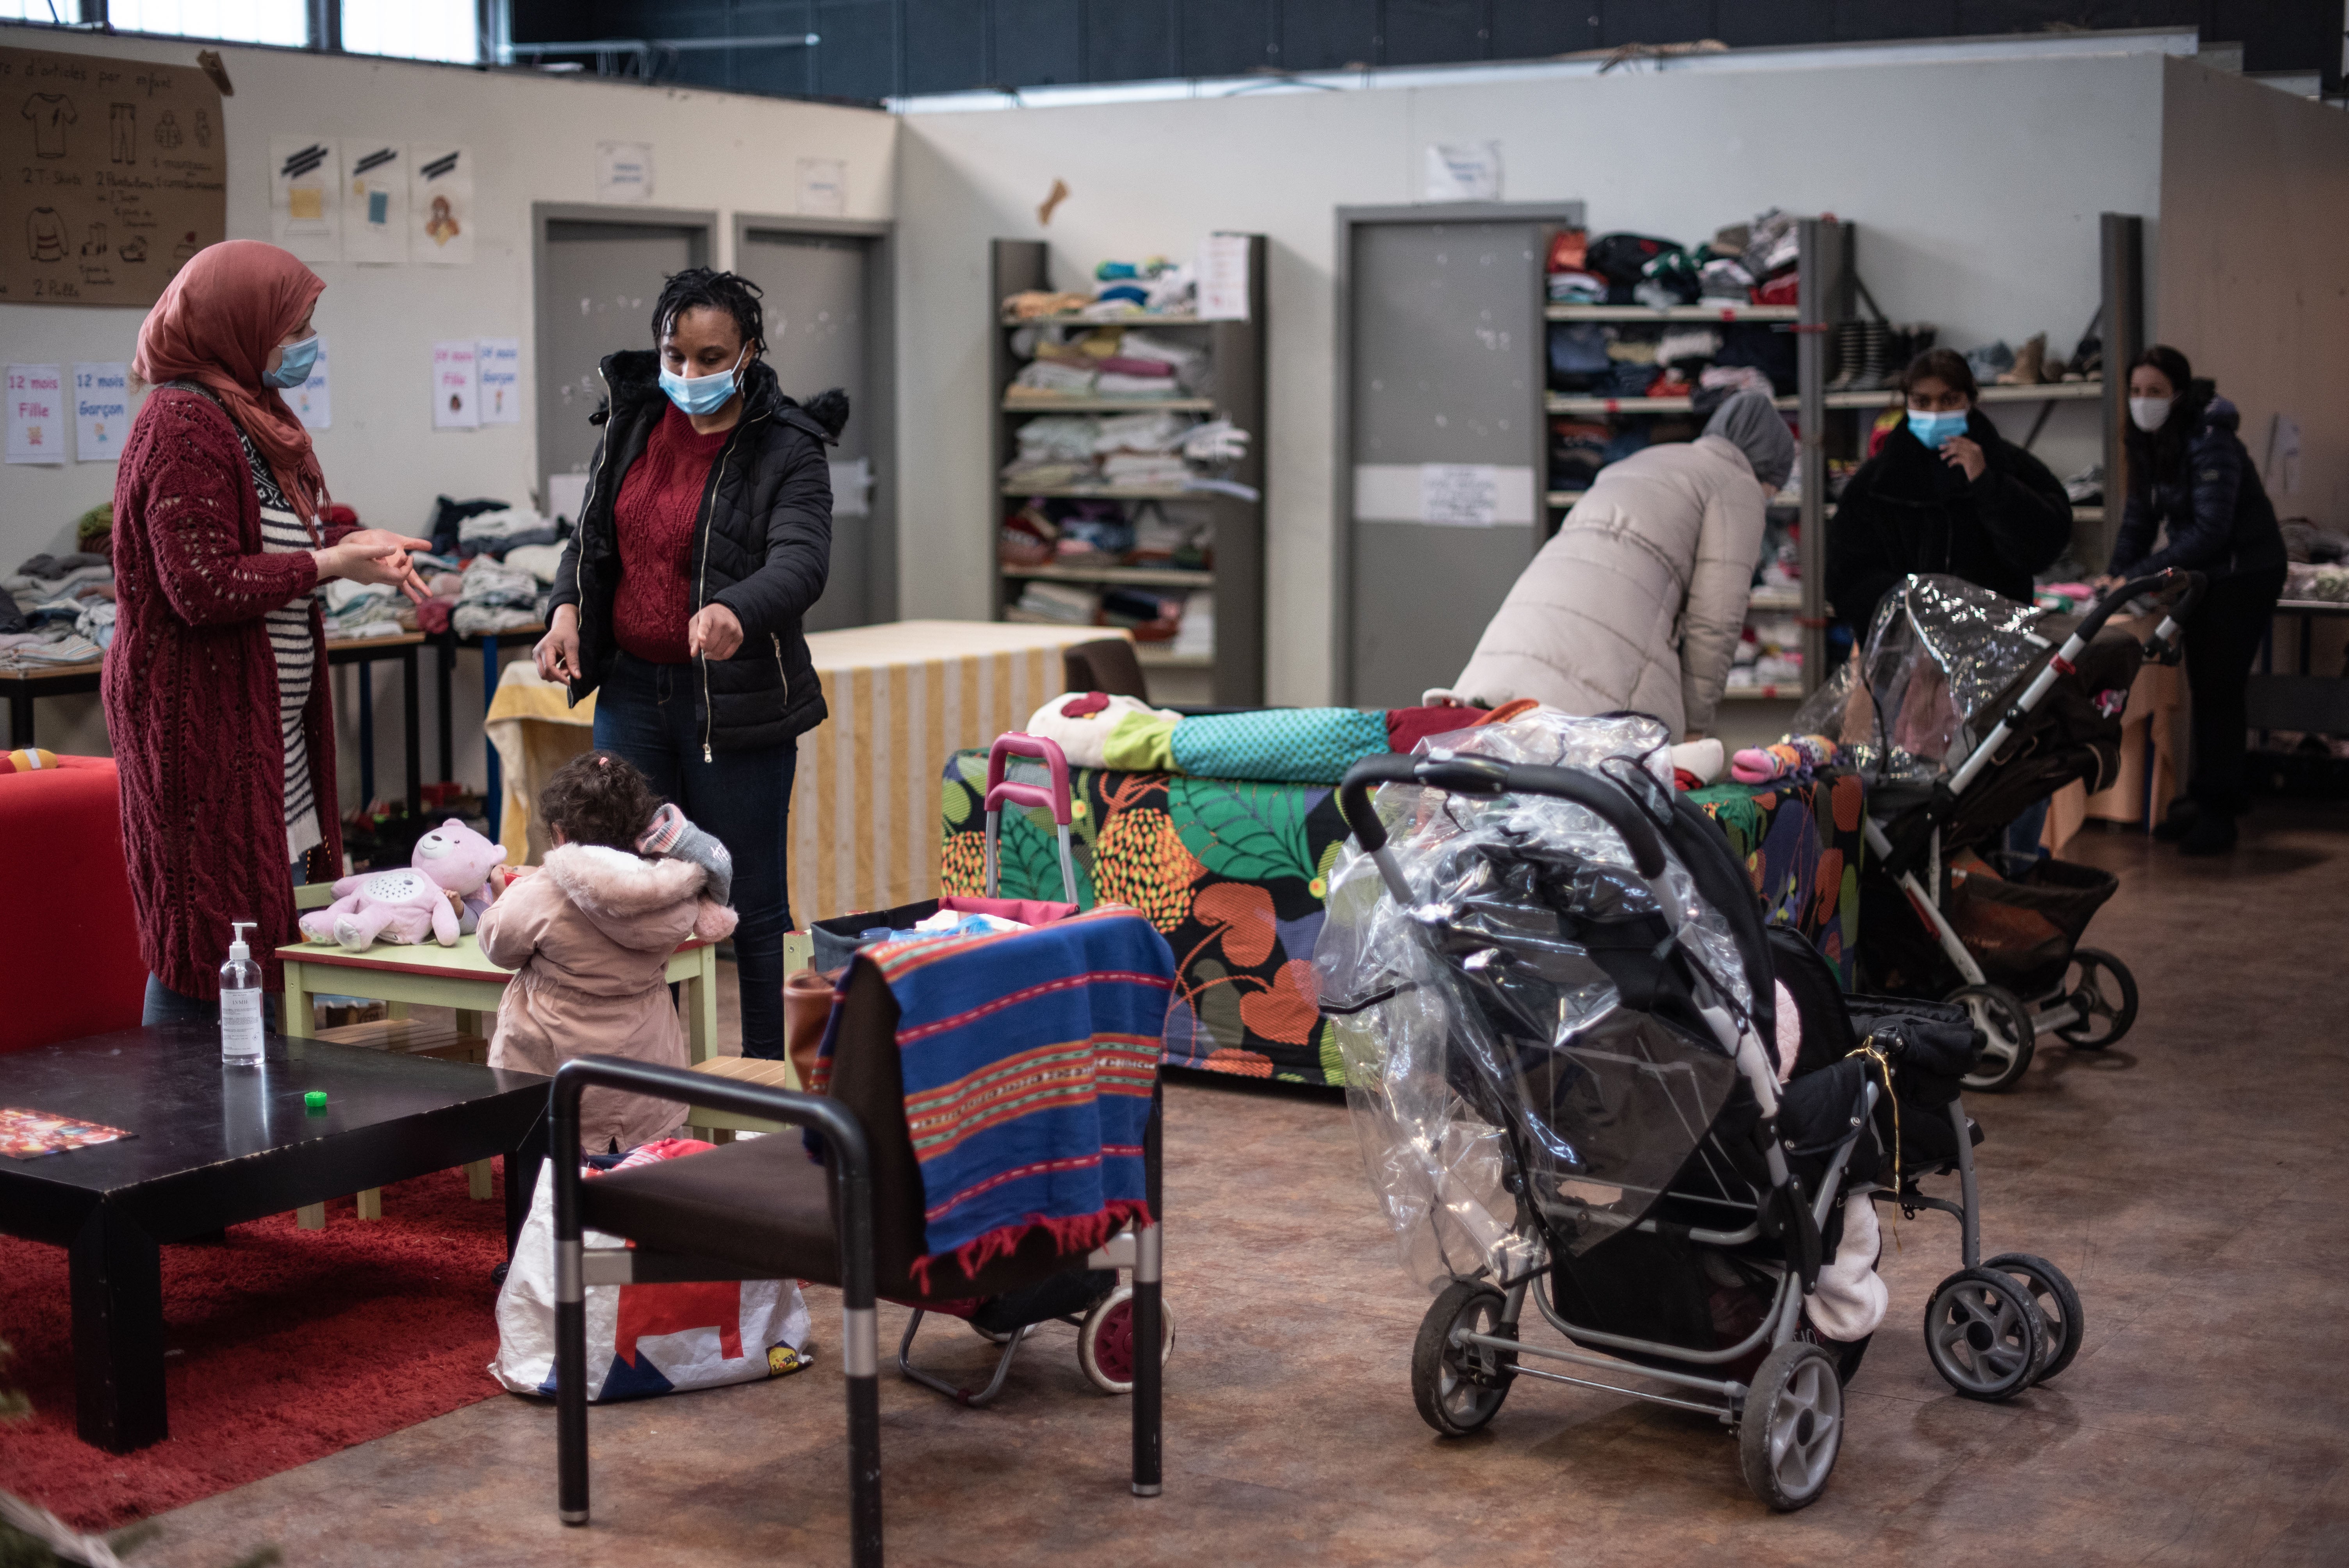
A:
807	1011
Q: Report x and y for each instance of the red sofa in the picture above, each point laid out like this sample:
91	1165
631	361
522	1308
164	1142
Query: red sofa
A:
68	939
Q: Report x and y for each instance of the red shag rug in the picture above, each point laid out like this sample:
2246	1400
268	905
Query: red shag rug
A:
280	1346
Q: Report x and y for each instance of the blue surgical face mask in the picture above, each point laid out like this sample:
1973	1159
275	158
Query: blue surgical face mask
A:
1934	429
702	394
293	369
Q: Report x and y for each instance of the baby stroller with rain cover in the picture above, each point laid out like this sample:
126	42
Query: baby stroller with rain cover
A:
1555	1028
1961	713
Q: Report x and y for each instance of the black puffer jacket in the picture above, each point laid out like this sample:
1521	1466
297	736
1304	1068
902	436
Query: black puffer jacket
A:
762	547
1908	510
2218	515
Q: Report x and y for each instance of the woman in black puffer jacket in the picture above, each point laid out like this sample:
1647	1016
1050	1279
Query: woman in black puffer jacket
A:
2189	474
1947	493
704	541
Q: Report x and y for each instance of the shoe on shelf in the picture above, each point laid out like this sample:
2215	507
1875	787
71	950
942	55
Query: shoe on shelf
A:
2213	833
2029	362
2184	812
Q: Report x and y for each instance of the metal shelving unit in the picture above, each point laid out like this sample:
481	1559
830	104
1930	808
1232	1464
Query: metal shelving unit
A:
1237	348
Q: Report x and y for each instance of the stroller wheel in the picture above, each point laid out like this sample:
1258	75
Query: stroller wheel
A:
1459	1387
2008	1038
2060	1320
1984	1335
1792	1426
2106	991
1105	1341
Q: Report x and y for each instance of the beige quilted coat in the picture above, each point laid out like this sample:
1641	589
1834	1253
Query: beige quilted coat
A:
590	934
1638	600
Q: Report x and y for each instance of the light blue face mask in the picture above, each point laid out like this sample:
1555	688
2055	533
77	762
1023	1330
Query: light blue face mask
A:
1934	429
293	369
702	394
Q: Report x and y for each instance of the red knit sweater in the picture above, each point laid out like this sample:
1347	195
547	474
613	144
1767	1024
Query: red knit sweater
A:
660	503
191	696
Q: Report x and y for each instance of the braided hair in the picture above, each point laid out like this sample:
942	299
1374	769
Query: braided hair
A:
698	288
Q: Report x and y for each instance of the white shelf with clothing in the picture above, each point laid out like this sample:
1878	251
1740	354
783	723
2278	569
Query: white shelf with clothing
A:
1172	548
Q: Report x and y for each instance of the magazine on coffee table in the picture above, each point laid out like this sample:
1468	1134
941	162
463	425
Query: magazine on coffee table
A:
24	1133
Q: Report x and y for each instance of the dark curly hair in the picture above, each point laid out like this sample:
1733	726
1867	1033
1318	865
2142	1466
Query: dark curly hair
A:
698	288
598	798
1946	365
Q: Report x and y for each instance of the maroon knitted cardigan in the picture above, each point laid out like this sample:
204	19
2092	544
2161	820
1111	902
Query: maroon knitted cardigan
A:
191	694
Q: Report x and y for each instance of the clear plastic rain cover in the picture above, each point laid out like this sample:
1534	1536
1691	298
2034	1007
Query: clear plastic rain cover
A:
1479	1033
1940	651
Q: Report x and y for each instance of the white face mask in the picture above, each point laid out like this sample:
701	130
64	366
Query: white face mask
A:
2150	414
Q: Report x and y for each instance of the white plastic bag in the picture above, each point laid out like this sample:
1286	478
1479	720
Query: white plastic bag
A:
644	1339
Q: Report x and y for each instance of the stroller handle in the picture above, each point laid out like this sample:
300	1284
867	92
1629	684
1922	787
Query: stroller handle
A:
1018	743
1484	776
2187	585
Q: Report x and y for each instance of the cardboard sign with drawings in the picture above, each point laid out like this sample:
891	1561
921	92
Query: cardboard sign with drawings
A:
106	214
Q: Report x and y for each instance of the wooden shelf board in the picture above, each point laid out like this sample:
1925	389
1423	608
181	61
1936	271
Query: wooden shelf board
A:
1139	576
1724	310
1108	404
1150	659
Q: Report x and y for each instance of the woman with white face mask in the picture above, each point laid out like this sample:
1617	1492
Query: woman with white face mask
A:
704	541
2194	492
1947	493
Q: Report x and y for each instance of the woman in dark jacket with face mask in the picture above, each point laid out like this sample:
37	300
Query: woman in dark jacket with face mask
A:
1947	493
704	541
2193	490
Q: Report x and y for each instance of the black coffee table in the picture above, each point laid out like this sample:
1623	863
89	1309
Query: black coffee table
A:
217	1147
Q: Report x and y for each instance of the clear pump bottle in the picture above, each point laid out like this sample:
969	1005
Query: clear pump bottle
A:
240	1002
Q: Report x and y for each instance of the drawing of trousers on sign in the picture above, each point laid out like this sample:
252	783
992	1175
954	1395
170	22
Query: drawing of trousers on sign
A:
50	114
122	129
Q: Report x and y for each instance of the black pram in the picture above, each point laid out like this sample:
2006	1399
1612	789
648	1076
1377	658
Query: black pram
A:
1557	1005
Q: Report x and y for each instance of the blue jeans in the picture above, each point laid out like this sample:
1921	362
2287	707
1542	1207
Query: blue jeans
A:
165	1006
644	712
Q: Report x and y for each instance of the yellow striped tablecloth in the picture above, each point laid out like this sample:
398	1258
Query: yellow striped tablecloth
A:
904	696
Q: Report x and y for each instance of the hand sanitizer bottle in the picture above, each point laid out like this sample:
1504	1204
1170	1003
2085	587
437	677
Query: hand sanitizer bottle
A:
240	1002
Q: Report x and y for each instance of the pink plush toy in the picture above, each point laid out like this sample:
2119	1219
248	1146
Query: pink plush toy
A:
443	892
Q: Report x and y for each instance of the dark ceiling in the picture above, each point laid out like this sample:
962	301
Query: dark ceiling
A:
872	49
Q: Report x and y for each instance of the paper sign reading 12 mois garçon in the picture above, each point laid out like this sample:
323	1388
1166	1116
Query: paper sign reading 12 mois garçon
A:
37	414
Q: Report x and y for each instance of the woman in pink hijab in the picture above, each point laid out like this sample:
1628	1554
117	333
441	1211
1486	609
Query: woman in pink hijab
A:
215	684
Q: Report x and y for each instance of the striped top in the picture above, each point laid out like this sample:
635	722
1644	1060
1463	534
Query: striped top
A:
292	639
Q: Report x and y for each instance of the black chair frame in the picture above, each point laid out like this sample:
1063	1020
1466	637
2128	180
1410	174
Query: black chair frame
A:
849	1177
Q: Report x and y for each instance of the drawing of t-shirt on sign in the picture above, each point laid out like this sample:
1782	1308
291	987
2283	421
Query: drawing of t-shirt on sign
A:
122	132
45	234
50	114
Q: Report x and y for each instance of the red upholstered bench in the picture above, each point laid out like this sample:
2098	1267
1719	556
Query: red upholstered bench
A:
69	963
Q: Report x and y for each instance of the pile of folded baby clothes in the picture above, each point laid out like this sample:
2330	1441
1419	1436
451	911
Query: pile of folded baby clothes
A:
56	610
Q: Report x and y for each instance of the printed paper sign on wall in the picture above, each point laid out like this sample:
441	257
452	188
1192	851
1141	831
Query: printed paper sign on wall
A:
823	187
623	172
37	414
375	202
456	384
305	197
112	173
500	370
440	204
101	411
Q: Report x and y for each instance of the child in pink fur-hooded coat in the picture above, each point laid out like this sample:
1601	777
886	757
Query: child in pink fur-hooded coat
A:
590	934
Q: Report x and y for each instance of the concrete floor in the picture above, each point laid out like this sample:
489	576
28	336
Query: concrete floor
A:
2190	1181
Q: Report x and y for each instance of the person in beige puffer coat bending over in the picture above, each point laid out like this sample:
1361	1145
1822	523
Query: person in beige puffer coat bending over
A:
1637	601
590	934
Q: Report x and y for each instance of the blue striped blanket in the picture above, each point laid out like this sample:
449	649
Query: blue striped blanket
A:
1028	1058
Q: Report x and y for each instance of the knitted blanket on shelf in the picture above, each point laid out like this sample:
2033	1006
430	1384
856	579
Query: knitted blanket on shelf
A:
1030	1059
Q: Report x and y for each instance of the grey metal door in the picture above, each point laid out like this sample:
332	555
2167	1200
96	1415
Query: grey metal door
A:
1443	363
597	281
818	335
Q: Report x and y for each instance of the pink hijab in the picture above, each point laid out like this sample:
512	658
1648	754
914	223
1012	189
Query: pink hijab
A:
215	323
